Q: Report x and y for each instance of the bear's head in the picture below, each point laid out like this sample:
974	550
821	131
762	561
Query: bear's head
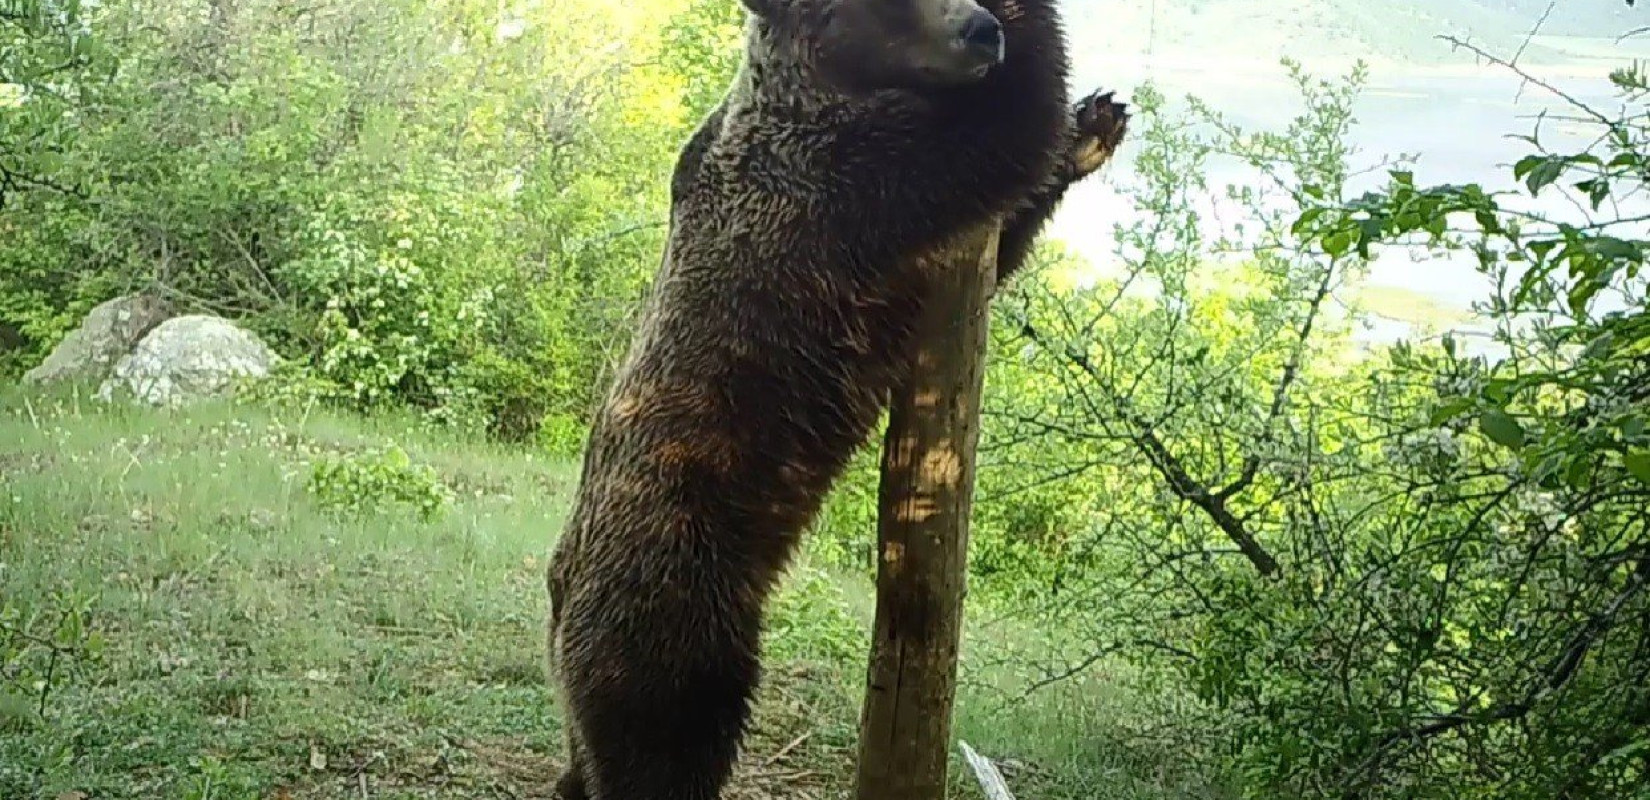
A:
868	45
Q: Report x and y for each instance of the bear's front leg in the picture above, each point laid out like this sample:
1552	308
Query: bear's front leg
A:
1099	124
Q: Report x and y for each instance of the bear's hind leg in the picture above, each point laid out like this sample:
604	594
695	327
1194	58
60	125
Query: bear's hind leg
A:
571	784
666	735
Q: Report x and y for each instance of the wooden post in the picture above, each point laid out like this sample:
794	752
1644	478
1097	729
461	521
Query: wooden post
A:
923	506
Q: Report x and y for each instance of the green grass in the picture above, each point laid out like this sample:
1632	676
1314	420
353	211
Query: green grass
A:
257	645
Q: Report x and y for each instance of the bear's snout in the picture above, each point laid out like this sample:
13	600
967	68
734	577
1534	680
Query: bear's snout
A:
982	37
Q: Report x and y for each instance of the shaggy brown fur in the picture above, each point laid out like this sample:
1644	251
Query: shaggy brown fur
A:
779	321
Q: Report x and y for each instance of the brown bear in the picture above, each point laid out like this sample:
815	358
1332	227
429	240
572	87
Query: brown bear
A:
857	136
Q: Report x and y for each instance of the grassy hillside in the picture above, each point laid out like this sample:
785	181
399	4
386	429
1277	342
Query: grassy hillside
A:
261	634
1401	32
1605	19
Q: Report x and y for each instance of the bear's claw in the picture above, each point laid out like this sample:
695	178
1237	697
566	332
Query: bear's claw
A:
1101	124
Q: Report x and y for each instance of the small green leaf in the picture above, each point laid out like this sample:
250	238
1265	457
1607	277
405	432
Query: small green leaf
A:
1584	292
1547	467
1597	189
1369	231
1624	160
1501	428
1638	465
1450	410
1487	221
1336	244
1626	750
397	458
1306	220
1613	248
1577	473
1598	347
1543	173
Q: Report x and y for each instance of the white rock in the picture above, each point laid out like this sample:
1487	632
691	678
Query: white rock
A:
189	358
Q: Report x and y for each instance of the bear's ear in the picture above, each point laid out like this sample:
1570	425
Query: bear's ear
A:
761	8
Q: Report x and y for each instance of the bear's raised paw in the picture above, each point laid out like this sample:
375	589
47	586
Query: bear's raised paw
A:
1101	124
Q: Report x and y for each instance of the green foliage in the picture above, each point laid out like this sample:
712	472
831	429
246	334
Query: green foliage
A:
1528	649
1415	575
430	205
50	645
845	534
399	307
368	482
50	65
42	296
704	41
45	645
811	620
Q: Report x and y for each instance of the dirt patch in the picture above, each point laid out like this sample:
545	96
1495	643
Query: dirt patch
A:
786	758
504	768
19	464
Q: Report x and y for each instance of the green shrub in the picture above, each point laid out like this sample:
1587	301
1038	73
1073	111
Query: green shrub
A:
368	482
45	645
